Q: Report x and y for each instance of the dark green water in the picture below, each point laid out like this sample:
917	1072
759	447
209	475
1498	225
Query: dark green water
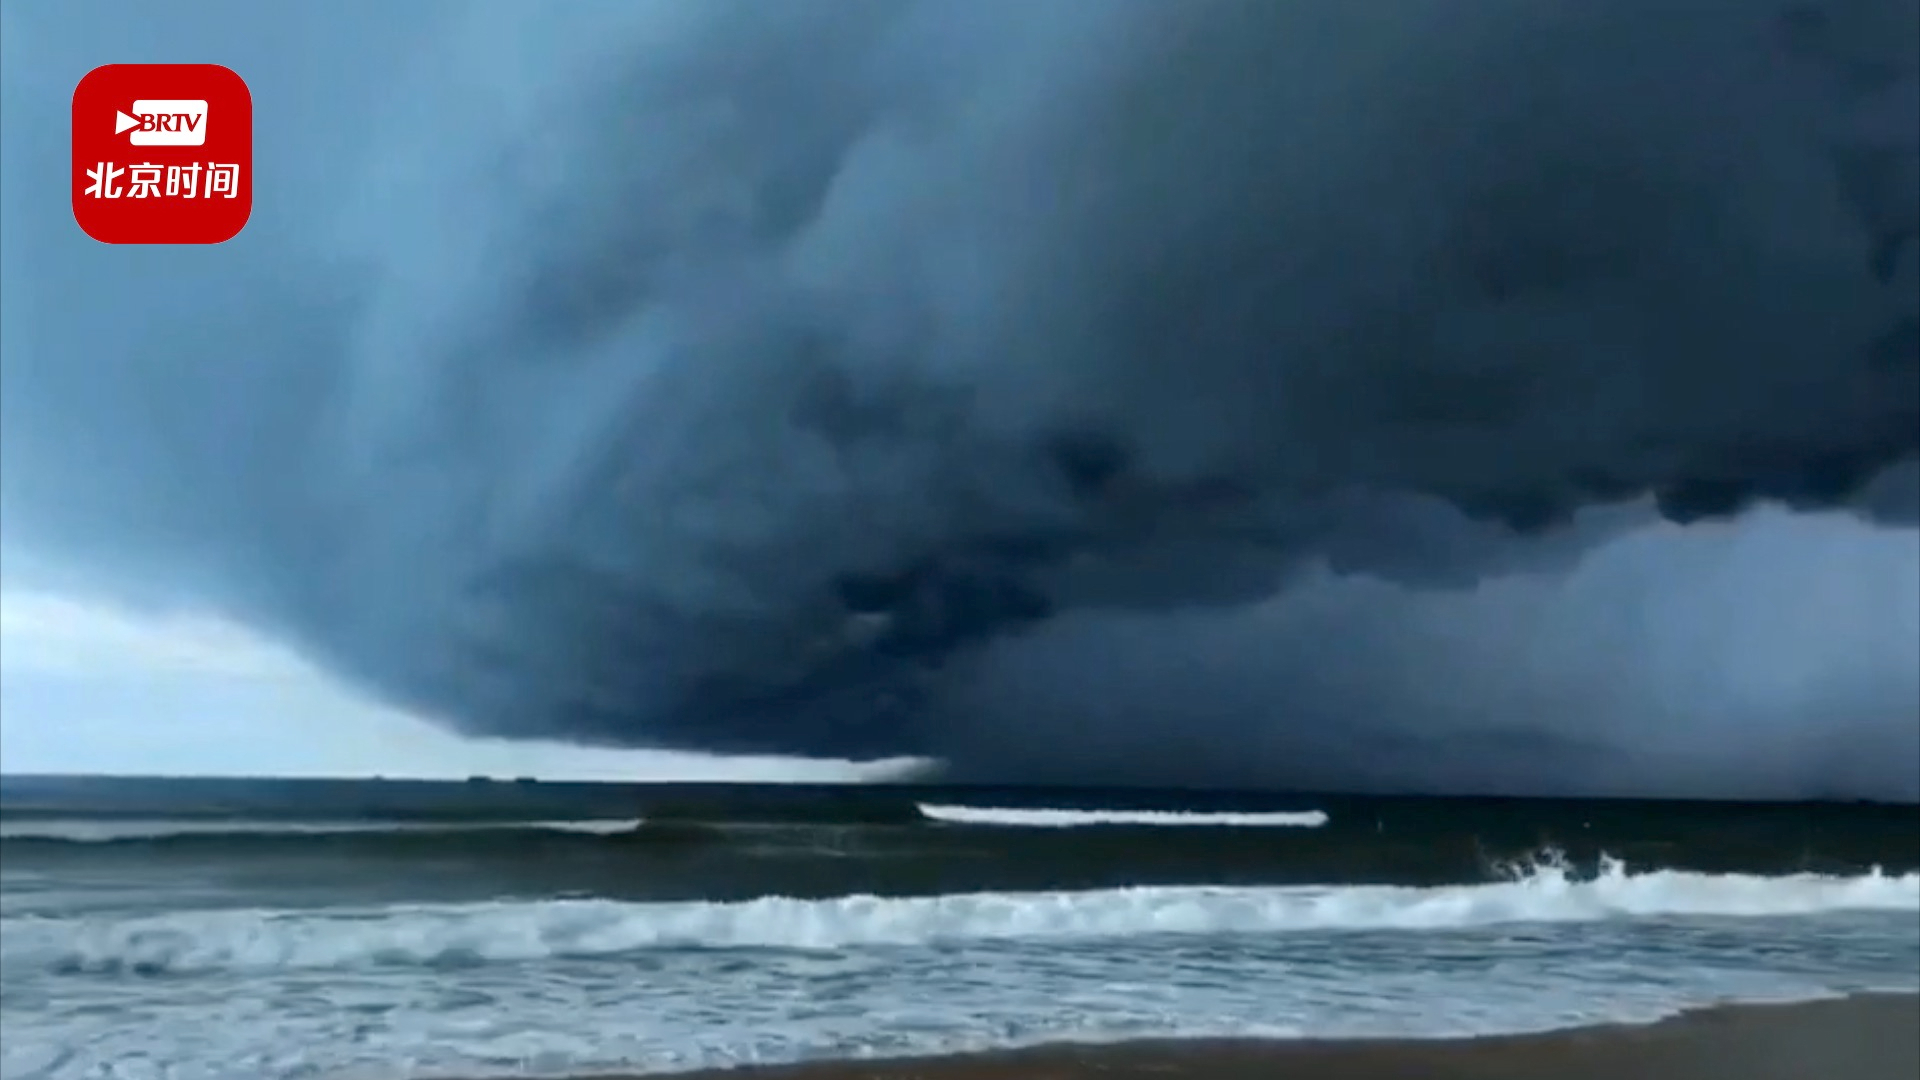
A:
256	929
714	841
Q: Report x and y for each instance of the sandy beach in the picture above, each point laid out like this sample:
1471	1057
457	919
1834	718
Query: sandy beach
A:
1869	1037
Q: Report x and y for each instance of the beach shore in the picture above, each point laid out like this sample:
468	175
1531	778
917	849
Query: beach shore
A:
1869	1037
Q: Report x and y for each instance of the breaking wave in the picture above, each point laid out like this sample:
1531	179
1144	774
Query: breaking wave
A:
114	830
31	832
481	933
1069	819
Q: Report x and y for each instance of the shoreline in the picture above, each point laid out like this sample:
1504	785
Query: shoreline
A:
1861	1037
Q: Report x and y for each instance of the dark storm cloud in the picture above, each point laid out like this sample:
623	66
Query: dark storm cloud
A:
855	377
1776	657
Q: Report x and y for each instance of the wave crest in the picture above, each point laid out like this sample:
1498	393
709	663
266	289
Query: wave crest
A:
469	934
1044	818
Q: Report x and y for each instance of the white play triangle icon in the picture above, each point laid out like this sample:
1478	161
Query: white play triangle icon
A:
163	122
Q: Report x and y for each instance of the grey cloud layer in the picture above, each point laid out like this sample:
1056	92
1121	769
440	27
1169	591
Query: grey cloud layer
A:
860	377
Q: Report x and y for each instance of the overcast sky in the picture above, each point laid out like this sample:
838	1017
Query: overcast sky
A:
503	407
91	688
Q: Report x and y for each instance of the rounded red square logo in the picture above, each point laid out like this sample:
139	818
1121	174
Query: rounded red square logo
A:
162	154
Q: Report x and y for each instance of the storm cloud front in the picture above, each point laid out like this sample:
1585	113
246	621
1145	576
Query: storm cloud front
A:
1431	396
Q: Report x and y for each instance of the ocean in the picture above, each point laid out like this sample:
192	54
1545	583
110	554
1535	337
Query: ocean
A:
390	930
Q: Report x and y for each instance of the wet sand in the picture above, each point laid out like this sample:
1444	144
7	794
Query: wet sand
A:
1870	1037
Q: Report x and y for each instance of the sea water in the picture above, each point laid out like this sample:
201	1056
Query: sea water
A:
256	942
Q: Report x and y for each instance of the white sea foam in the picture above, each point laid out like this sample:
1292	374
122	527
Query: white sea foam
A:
1067	819
103	830
263	940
